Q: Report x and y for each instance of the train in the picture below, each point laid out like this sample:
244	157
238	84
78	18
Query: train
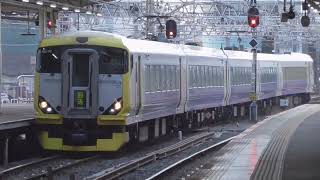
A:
97	91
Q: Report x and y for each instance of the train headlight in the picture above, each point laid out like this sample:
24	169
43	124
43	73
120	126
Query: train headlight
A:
49	109
45	107
43	104
117	106
114	108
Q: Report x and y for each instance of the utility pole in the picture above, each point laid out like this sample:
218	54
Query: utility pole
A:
253	21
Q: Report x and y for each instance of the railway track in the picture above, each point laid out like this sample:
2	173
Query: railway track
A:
28	164
185	160
50	170
125	168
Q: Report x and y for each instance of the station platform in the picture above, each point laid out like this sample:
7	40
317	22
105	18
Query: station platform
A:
285	146
14	112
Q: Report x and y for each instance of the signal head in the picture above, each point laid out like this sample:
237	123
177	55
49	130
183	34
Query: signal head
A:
171	29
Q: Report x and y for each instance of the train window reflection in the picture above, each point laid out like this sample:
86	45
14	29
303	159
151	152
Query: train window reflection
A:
113	61
48	60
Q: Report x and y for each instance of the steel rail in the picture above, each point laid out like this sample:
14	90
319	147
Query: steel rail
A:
125	168
182	161
28	164
16	124
51	171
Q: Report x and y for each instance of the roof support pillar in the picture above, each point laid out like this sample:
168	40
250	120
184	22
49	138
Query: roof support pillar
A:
42	23
0	54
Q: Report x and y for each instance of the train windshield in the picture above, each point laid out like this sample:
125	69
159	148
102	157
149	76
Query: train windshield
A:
111	60
49	60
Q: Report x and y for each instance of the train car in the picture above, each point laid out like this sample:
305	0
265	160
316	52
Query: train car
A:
95	91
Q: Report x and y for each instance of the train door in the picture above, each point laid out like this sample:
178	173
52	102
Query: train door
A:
227	82
280	79
80	74
137	84
181	107
311	77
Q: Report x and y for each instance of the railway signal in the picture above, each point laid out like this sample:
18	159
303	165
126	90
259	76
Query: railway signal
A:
253	22
50	24
253	17
305	20
171	29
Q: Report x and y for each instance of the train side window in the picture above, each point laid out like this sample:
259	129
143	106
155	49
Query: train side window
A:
177	77
241	79
264	75
215	76
221	79
205	76
195	76
163	78
190	77
167	67
240	76
194	80
246	75
204	82
153	83
147	76
269	75
208	75
231	76
236	75
49	60
159	78
157	71
200	76
174	77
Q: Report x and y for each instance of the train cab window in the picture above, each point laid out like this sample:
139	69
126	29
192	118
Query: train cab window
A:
49	60
113	61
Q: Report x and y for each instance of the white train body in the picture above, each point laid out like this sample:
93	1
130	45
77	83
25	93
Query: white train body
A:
208	77
94	91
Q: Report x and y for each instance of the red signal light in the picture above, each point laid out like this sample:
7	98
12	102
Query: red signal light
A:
253	17
50	24
171	29
253	21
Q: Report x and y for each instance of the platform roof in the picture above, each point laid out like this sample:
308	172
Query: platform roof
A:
17	9
9	6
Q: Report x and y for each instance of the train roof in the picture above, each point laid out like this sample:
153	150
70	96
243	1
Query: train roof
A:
241	55
154	47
